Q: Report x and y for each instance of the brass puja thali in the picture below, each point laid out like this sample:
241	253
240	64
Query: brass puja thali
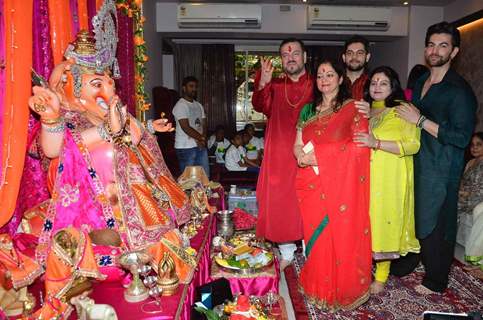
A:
243	254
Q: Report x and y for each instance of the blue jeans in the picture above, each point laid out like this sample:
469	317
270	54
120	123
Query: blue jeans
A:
193	157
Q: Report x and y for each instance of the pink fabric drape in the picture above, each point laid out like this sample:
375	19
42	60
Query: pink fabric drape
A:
91	11
74	12
2	78
125	57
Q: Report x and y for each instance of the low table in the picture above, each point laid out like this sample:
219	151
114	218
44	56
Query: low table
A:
256	284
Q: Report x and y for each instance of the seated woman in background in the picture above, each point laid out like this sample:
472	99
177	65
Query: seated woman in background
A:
218	144
236	157
470	207
394	141
333	194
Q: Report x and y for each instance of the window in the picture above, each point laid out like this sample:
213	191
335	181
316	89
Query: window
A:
246	65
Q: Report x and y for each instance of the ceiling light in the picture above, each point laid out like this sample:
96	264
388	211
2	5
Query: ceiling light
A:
405	3
304	0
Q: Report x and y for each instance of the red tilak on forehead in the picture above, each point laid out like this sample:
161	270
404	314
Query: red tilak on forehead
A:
289	48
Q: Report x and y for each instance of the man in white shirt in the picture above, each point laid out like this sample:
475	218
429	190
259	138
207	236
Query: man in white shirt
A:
190	138
235	158
254	146
218	144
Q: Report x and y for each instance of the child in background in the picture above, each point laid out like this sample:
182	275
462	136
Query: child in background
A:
218	144
253	145
235	158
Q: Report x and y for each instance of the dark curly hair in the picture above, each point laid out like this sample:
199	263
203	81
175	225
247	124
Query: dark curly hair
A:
343	93
397	93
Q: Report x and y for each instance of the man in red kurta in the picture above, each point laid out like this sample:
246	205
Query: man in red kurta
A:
281	100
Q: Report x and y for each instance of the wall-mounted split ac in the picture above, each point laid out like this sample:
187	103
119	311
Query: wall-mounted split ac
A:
348	18
215	16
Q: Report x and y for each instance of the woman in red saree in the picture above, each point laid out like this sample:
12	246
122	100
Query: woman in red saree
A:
333	194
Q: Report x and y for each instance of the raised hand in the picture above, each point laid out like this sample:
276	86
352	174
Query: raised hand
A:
267	71
45	103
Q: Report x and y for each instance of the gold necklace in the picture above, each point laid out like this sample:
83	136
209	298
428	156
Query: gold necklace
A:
301	99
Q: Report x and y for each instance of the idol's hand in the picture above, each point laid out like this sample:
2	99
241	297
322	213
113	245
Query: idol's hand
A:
117	115
408	112
364	108
267	71
162	125
45	103
363	139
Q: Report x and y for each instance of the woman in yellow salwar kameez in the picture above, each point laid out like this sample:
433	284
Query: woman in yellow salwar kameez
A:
394	141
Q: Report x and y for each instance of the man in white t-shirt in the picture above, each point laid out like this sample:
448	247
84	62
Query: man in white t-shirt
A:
190	138
254	146
218	144
235	158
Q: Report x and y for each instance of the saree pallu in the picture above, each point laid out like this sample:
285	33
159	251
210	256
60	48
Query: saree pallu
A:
335	212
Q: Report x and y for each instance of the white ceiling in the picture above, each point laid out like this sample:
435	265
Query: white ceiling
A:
436	3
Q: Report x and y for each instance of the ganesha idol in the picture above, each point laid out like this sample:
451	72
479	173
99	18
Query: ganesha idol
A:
107	176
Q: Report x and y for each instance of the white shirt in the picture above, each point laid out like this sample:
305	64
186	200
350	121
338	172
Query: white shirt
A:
233	156
221	147
194	112
254	145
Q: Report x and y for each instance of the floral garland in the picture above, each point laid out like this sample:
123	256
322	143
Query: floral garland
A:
133	9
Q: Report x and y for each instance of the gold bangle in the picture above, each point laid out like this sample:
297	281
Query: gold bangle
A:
51	121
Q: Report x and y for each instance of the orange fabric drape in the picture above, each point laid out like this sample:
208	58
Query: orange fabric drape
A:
99	4
18	53
60	27
83	15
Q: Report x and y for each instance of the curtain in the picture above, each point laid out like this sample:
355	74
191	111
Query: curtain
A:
214	66
316	54
218	83
187	62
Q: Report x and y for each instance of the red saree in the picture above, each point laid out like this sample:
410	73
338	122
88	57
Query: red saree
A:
335	211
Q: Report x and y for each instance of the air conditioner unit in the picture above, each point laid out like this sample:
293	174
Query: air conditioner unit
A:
215	16
348	18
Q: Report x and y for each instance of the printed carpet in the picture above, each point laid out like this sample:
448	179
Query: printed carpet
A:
399	301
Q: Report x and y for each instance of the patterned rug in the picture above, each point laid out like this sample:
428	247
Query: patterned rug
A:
399	301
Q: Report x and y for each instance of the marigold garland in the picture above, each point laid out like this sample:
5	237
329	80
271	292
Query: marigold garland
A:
133	9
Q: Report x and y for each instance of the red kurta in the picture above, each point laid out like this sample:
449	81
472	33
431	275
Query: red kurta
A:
357	88
279	217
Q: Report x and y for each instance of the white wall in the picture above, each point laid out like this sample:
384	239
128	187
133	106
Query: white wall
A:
274	21
168	71
393	54
154	66
420	18
461	8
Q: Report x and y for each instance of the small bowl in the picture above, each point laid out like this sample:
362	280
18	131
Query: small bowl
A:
224	214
